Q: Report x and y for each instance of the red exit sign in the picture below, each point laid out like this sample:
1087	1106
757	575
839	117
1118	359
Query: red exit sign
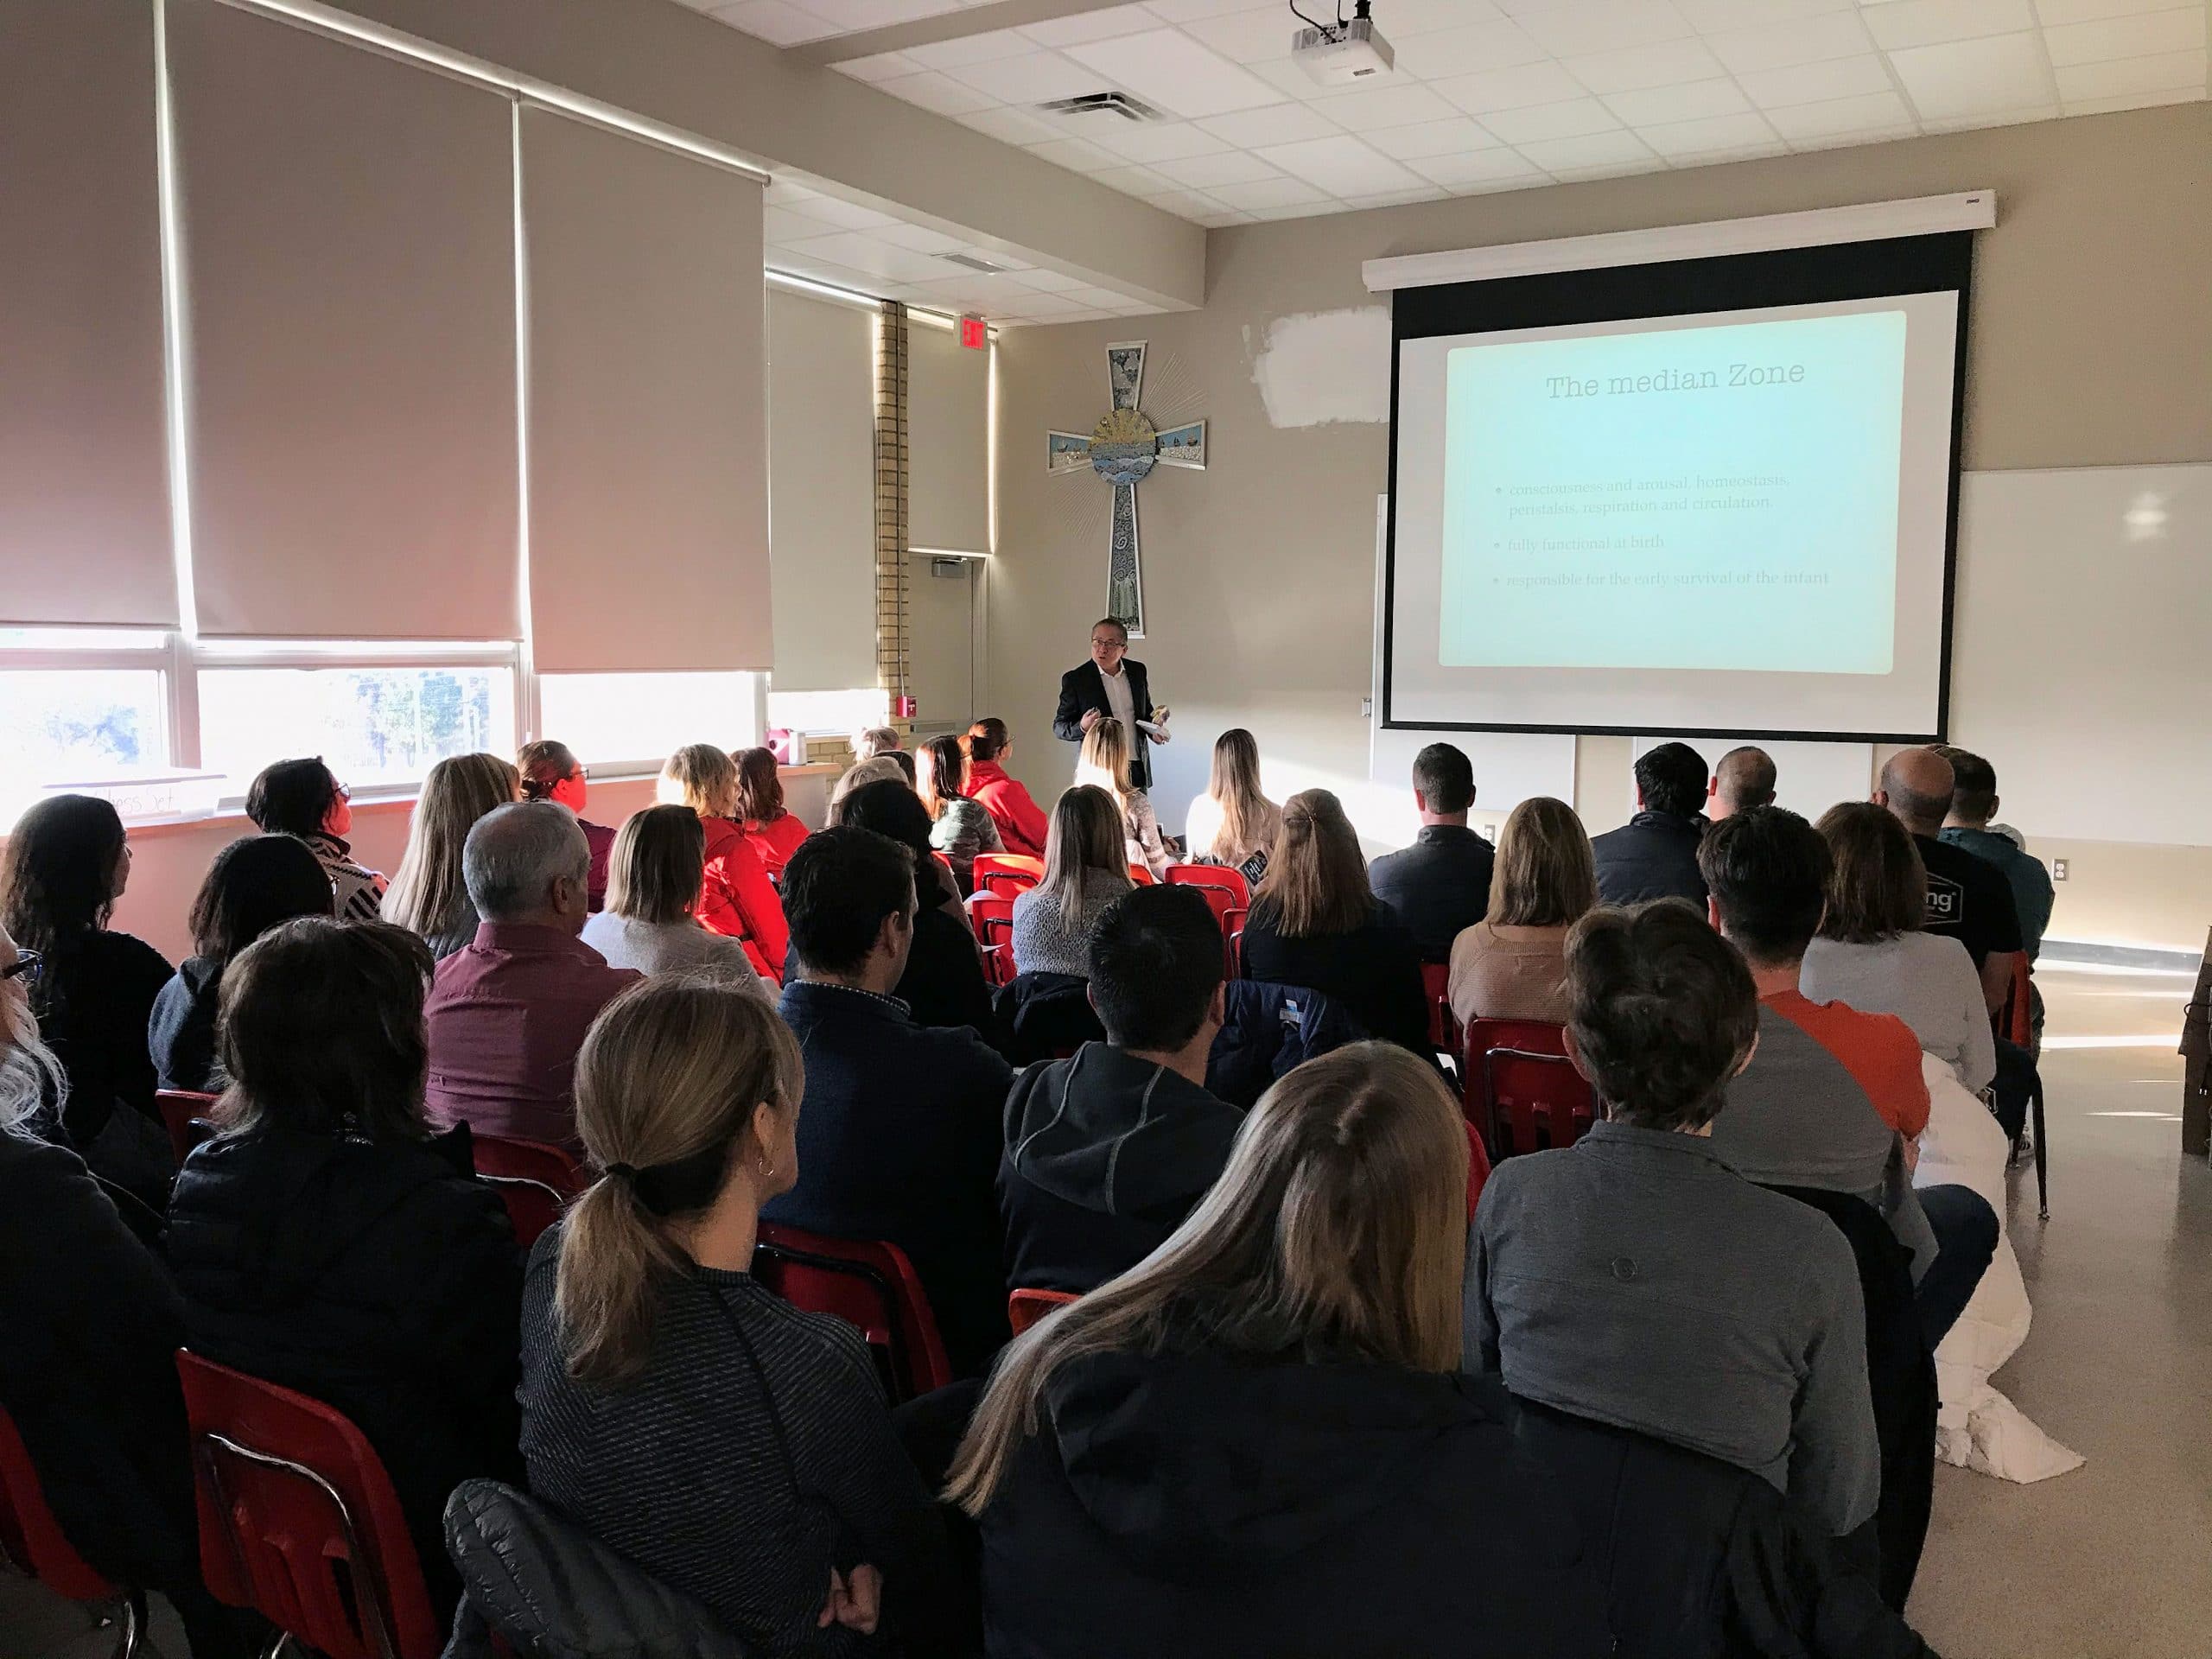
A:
973	335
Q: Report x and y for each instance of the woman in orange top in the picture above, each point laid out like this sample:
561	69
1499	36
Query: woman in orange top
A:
737	899
1021	824
773	833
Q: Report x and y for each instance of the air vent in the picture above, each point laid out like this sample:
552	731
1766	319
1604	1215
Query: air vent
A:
973	263
1121	104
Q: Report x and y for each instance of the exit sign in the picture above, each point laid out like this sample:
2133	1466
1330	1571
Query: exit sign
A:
973	335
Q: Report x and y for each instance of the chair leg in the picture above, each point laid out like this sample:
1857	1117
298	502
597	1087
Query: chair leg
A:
2043	1142
133	1620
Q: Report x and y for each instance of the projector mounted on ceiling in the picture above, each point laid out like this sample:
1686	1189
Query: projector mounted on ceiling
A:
1342	53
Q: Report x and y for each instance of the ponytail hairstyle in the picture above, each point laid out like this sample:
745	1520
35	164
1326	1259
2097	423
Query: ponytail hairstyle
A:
987	738
669	1083
544	766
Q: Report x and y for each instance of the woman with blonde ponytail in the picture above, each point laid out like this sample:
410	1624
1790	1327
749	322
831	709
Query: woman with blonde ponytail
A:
735	1448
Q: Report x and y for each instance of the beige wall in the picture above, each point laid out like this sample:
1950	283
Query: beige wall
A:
2091	330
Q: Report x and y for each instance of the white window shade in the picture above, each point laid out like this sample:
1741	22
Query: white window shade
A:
348	225
947	442
84	455
822	491
647	432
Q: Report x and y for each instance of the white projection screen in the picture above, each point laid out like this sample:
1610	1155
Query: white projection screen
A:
1708	497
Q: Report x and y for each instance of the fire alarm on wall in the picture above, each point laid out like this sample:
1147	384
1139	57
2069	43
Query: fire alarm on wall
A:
973	335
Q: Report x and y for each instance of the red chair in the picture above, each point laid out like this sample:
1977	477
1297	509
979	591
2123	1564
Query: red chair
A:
1141	874
1008	873
1436	985
871	1285
298	1519
31	1539
534	1181
991	914
1216	878
1222	900
2016	1025
1519	1088
184	1115
1232	930
1477	1168
1025	1307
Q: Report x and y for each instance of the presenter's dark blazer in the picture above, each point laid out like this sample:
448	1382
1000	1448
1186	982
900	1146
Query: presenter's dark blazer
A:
1085	688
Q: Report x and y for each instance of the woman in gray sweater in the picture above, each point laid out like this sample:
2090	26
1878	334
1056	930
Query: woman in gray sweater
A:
1085	872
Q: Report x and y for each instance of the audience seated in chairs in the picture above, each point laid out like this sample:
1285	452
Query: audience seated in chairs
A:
1636	1278
1233	822
1086	871
737	901
428	894
736	1449
876	741
773	831
1512	965
900	1137
1021	822
1653	855
1834	1098
1256	1440
959	827
1973	804
881	769
1741	778
1106	1153
254	883
1969	897
304	799
550	771
327	1242
1441	885
508	1013
943	983
92	988
650	923
1103	761
1315	923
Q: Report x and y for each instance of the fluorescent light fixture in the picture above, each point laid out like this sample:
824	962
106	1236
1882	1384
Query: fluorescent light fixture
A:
826	291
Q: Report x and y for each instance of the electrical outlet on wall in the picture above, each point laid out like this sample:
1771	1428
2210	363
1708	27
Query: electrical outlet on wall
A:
2058	869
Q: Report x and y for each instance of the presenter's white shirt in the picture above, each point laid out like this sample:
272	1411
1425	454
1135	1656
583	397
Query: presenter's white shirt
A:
1122	703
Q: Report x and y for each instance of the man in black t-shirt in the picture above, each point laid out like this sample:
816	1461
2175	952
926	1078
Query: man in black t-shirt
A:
1969	897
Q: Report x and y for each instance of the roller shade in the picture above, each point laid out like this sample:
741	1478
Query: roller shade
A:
84	533
350	325
948	438
648	442
822	491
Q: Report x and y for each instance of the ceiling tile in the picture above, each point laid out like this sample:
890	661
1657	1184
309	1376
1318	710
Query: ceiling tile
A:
1667	64
1262	194
1300	209
1869	112
823	270
1693	102
783	192
1342	166
1133	181
846	215
1575	27
2126	37
1204	172
1288	80
1080	154
1399	198
1278	124
1373	108
1511	89
2132	101
860	250
1967	78
1247	36
1167	67
1853	137
2056	12
1051	281
1098	298
1092	25
1898	23
1570	119
1476	168
1222	219
2127	77
1711	16
1181	11
1032	78
775	21
1982	120
782	225
855	15
1775	46
938	93
1009	125
882	66
1189	203
1723	157
1593	149
1411	19
1720	132
1467	50
1813	83
921	239
1433	138
1142	141
1037	306
971	48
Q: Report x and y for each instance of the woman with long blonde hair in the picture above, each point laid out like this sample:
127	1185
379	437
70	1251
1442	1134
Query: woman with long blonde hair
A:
651	922
1104	761
1085	872
427	896
1257	1441
1316	924
1512	965
736	898
734	1448
1233	822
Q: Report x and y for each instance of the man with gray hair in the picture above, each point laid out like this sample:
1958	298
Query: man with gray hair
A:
508	1011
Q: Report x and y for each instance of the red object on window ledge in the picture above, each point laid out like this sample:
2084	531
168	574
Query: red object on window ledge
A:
973	335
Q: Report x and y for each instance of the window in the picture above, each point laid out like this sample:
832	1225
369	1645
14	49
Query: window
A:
635	721
376	726
828	711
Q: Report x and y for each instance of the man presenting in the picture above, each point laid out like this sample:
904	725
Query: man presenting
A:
1110	686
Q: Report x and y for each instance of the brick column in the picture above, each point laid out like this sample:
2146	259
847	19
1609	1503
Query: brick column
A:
893	605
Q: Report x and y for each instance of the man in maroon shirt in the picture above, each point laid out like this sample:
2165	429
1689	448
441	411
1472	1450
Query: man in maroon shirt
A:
508	1011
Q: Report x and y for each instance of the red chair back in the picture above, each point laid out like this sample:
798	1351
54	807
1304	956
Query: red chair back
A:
1436	986
1025	1307
991	914
2019	1025
1008	873
298	1519
1141	874
534	1181
1232	932
1519	1088
1217	877
871	1285
1477	1168
31	1536
184	1115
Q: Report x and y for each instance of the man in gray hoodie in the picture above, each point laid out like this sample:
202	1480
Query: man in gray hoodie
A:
1107	1151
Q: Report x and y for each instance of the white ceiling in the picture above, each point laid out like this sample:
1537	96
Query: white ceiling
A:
1489	94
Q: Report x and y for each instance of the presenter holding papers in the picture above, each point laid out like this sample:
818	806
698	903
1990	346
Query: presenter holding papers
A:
1111	686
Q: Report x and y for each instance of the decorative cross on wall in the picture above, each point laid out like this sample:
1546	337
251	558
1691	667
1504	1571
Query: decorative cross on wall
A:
1122	449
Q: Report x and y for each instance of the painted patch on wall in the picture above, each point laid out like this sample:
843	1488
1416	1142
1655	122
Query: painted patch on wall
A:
1320	367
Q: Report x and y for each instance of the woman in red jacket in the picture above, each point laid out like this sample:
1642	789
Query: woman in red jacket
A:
774	833
1021	824
737	899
